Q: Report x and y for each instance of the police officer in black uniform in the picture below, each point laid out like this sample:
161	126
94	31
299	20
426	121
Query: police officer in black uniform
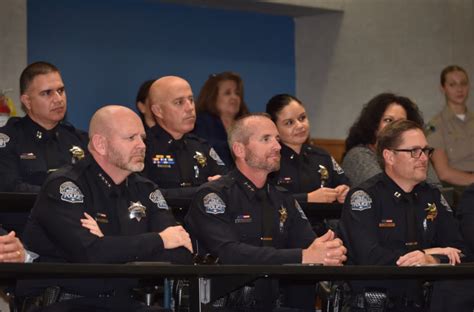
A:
41	142
395	218
176	159
130	211
242	219
309	172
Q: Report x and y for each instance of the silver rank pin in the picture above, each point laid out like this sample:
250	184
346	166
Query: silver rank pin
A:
104	180
249	186
137	211
397	194
39	134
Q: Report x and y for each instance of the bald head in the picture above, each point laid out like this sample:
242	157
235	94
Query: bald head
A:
117	141
172	105
109	118
164	88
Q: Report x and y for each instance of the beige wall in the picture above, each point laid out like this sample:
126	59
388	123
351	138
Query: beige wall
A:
13	55
344	59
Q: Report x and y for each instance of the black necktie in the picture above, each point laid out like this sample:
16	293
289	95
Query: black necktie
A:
267	217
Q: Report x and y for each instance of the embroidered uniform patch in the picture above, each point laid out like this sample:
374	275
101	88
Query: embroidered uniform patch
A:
444	202
360	200
216	157
214	204
4	139
71	193
336	166
157	198
300	210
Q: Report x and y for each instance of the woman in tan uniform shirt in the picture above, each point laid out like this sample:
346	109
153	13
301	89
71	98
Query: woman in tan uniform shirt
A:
451	132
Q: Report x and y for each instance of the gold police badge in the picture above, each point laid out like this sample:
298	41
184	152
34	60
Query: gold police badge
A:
201	159
283	217
432	212
323	171
77	153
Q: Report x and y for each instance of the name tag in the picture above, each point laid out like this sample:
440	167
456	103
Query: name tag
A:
243	219
28	156
387	223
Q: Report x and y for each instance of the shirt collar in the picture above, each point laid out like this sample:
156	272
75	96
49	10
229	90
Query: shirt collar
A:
245	184
158	132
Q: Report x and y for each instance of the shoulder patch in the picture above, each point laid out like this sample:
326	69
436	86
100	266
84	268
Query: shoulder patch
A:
4	139
336	166
215	156
71	193
214	204
360	200
300	210
157	198
444	202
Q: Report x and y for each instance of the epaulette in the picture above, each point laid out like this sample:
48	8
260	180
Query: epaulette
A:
138	178
12	122
311	149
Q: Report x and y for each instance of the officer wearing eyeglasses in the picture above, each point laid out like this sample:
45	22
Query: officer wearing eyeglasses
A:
396	218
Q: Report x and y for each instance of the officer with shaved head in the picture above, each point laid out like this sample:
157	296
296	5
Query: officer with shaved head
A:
176	159
133	220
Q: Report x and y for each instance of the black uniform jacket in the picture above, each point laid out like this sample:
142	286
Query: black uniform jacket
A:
226	219
465	212
301	173
28	152
180	165
54	229
373	224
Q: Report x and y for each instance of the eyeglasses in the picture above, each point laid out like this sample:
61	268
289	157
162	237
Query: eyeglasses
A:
416	152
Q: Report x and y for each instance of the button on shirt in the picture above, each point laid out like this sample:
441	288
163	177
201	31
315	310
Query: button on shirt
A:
303	173
226	217
28	152
180	165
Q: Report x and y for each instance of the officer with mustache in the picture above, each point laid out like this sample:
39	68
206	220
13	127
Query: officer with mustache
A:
128	217
41	142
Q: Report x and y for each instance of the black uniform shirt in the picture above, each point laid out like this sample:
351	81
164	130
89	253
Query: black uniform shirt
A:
130	232
28	152
374	221
301	173
226	217
180	165
465	212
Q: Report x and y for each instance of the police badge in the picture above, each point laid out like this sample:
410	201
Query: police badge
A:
4	139
283	217
137	211
323	171
201	159
432	212
77	153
